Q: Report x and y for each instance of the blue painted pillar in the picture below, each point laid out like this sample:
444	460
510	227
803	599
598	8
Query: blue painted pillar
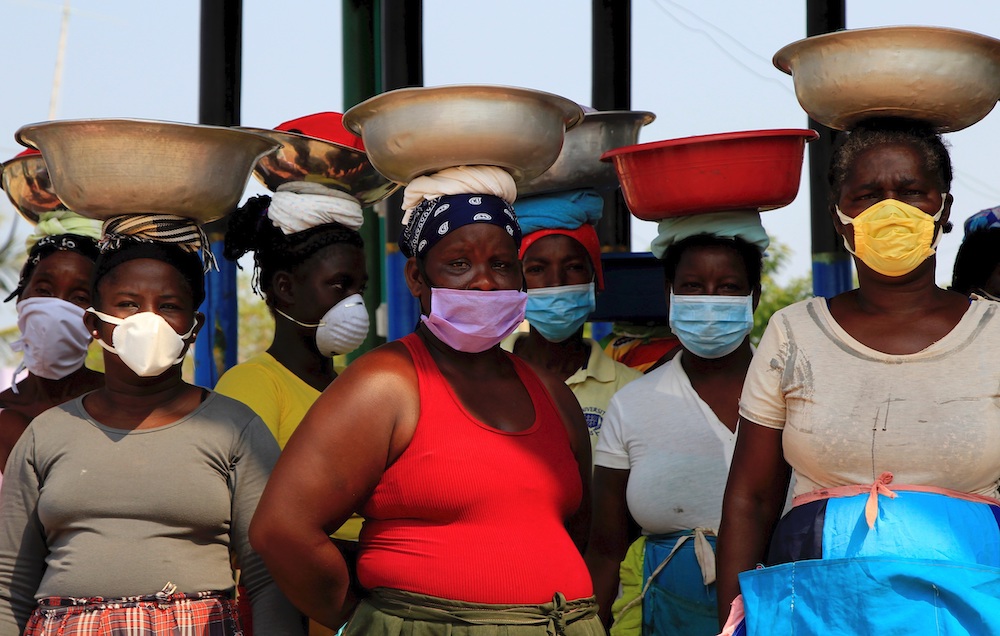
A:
216	347
221	48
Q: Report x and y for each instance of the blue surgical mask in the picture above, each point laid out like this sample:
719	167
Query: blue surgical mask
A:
711	326
558	312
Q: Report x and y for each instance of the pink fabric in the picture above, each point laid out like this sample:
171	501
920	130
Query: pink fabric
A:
736	615
881	487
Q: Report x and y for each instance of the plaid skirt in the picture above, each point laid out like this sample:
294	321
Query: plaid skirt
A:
164	613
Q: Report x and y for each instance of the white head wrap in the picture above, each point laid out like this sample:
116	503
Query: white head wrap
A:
300	205
459	180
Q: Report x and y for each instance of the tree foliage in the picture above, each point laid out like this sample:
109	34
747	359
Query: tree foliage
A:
774	295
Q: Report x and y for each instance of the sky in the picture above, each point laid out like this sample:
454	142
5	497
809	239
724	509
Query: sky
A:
701	67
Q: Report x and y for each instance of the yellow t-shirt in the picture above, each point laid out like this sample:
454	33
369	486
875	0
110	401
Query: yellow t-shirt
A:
281	399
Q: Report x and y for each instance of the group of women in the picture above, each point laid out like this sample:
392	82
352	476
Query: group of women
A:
472	466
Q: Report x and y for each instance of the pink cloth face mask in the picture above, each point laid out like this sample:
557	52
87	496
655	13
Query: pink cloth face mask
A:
473	321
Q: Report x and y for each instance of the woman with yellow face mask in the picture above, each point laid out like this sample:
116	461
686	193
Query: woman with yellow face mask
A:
882	403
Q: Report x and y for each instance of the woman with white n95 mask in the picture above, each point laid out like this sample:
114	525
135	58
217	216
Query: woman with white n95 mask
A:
148	472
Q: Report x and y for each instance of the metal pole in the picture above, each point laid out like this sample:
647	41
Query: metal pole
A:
360	83
611	89
831	263
219	105
401	48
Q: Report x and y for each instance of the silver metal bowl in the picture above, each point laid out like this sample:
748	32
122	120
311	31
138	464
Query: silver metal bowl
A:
26	182
415	131
947	77
579	164
304	158
106	167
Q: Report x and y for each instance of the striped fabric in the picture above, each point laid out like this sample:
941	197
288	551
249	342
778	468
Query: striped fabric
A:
162	614
157	228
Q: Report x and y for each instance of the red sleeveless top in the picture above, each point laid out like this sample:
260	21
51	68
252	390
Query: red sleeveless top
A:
472	513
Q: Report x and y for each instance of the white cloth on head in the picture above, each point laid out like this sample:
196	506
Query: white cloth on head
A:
300	205
459	180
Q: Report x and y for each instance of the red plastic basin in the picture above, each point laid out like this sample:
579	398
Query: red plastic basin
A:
750	170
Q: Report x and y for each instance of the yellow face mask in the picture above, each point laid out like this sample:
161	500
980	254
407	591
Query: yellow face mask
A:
893	237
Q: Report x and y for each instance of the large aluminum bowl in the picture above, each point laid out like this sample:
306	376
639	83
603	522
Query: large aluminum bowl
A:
304	158
106	167
416	131
946	77
25	179
579	164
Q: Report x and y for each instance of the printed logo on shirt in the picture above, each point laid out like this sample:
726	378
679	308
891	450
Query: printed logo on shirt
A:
594	417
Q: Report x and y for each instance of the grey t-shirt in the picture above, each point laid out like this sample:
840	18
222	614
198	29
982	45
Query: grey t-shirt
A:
87	510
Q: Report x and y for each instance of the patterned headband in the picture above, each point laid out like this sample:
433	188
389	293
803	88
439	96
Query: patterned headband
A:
158	228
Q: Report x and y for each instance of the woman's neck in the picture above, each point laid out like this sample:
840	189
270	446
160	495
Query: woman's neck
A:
735	363
561	358
127	404
485	364
913	293
297	352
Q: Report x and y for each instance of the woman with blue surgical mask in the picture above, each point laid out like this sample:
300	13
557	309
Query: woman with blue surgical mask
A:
663	456
561	257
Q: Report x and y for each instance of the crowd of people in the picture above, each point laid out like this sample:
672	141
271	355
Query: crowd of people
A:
472	478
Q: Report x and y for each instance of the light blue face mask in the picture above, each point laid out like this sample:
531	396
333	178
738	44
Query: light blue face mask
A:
711	326
557	312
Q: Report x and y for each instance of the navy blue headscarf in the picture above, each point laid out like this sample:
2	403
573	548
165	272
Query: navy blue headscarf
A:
433	219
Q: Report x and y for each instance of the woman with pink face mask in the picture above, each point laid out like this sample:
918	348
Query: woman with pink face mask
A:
52	293
471	468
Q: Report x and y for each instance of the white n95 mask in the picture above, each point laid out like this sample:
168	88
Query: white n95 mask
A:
342	329
145	342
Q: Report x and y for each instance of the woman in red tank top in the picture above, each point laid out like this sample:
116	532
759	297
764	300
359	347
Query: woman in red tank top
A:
471	468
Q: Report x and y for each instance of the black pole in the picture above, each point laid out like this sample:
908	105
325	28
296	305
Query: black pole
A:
402	65
219	105
221	59
831	262
360	83
611	89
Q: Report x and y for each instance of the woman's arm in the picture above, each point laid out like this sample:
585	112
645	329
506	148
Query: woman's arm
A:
22	538
329	468
256	455
578	525
12	426
608	535
755	495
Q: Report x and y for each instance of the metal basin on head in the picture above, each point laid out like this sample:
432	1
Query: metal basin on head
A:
947	77
416	131
107	167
